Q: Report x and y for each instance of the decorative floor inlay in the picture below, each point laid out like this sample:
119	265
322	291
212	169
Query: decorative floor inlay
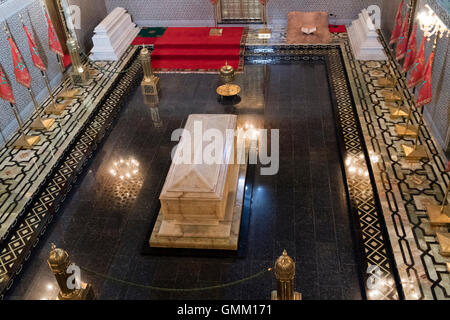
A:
23	172
371	236
404	188
394	216
103	104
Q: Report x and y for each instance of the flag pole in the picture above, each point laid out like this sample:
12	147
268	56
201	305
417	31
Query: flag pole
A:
54	108
24	142
39	123
67	93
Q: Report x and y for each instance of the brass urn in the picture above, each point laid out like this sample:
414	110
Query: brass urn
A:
227	73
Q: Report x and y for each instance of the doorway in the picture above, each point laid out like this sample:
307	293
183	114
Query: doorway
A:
240	11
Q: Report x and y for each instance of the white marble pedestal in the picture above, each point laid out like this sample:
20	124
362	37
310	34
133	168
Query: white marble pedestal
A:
201	203
113	36
224	236
364	39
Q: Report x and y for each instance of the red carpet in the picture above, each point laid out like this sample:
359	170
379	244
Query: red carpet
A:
194	49
139	41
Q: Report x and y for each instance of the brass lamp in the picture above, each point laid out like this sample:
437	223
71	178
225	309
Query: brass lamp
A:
285	275
59	262
227	73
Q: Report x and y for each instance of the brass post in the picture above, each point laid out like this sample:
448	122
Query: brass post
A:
285	275
150	82
265	32
24	142
59	262
445	199
217	32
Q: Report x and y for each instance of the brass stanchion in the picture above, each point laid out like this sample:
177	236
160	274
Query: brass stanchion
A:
150	83
59	262
285	275
24	142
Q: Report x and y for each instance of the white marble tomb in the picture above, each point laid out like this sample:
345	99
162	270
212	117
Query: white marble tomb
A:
364	39
201	204
113	35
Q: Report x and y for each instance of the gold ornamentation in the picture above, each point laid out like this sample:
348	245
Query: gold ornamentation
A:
227	73
228	90
285	275
59	262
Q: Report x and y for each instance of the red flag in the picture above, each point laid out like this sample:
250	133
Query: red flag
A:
213	2
263	2
20	69
53	41
411	51
398	25
425	92
448	167
402	44
37	61
5	89
418	67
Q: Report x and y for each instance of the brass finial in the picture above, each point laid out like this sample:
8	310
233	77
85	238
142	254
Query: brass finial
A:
285	274
21	18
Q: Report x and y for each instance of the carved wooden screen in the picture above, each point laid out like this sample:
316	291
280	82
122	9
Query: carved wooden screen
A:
240	11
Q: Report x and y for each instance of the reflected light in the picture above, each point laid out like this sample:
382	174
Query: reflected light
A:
127	182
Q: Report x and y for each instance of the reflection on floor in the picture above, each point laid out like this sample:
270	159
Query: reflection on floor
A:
302	209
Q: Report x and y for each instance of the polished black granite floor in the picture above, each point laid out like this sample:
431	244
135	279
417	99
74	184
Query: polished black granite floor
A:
302	209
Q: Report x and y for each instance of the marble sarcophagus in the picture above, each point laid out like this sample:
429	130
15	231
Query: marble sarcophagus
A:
201	200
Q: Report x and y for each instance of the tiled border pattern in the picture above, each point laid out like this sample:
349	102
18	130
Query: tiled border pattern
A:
23	172
405	188
17	249
371	234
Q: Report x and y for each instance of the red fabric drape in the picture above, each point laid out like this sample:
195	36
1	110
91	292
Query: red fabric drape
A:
425	90
402	43
20	70
6	92
37	61
448	167
418	67
411	52
398	25
53	40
